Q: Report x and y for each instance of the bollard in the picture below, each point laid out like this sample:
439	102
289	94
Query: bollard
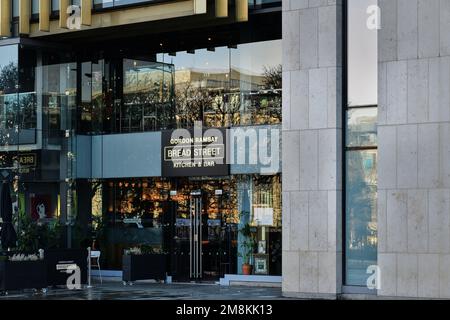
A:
89	267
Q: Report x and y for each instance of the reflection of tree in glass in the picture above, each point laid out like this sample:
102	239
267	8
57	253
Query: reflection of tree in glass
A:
17	110
190	101
8	99
361	208
265	104
148	98
224	103
9	77
273	77
27	111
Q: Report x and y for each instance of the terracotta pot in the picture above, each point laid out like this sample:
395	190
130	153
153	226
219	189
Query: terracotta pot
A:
247	269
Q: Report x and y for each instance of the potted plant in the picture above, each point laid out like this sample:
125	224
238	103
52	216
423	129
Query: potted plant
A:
35	235
22	271
24	267
247	248
143	263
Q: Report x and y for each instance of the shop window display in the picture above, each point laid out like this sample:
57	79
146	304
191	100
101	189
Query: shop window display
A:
137	212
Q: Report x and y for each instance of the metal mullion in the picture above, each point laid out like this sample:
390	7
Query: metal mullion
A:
361	148
190	239
200	237
361	107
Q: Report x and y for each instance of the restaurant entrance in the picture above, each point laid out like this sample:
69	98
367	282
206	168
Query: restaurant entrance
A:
204	225
202	247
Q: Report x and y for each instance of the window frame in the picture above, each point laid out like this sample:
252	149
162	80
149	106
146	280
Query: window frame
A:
348	289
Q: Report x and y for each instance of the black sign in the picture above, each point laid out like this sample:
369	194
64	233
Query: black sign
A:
18	161
191	153
59	260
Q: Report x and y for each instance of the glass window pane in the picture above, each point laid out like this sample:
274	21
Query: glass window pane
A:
201	78
55	5
35	6
9	77
262	3
27	115
8	69
232	86
103	3
256	75
15	5
362	55
361	215
147	96
362	127
127	2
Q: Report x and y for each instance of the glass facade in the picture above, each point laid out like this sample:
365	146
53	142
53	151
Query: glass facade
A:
228	86
59	106
18	111
38	92
148	96
361	214
120	95
9	89
362	54
135	212
221	87
361	114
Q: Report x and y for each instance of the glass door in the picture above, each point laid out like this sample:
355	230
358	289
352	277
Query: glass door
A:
199	246
195	235
187	248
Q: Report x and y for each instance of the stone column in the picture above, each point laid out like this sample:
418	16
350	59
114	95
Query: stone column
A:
312	148
414	148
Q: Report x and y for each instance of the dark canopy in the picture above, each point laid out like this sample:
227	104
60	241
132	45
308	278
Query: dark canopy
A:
8	234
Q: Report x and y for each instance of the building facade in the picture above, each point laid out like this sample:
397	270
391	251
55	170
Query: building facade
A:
306	138
97	122
365	184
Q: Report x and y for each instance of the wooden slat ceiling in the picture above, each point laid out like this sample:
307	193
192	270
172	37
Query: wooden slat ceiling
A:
91	19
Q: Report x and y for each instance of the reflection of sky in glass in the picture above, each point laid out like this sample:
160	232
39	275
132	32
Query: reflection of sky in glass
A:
8	54
358	116
250	58
15	7
34	6
55	5
254	57
201	60
362	55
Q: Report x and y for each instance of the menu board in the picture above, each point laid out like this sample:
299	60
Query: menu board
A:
263	216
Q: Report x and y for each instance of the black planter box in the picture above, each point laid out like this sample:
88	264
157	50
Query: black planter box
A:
59	259
17	275
144	267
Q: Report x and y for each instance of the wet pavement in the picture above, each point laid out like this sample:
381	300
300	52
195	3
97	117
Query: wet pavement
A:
150	291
